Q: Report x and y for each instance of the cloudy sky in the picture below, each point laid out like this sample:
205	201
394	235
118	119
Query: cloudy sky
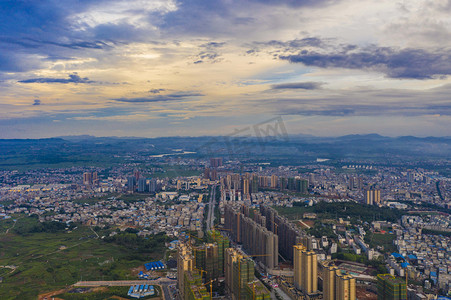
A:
207	67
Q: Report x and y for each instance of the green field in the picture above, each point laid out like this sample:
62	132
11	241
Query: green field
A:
128	198
47	261
103	293
355	211
378	239
173	172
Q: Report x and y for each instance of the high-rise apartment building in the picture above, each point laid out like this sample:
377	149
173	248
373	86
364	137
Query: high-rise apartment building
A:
372	197
305	269
95	178
254	185
252	233
207	173
311	179
185	263
87	178
274	181
246	186
329	273
216	162
302	186
344	286
288	234
131	183
142	185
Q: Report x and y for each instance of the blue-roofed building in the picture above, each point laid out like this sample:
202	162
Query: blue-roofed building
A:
397	255
412	257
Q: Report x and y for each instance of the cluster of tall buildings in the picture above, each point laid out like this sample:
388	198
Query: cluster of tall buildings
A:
355	183
90	178
143	185
305	265
211	173
372	197
242	186
200	269
337	285
288	233
248	227
293	244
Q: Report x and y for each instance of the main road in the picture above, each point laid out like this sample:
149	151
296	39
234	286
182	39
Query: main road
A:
211	208
124	282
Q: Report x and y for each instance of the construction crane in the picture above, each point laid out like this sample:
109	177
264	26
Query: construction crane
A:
217	228
189	234
239	270
201	271
211	287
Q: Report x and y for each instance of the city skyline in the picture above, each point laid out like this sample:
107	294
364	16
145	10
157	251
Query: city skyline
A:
204	68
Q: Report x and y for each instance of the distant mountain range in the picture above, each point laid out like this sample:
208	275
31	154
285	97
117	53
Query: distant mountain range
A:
292	149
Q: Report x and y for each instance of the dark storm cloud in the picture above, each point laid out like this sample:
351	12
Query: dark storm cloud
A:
160	98
298	85
395	63
73	78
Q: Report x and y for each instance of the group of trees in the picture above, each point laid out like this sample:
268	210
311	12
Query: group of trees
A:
32	225
365	213
130	240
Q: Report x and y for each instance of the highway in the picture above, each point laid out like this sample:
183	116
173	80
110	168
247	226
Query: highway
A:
211	208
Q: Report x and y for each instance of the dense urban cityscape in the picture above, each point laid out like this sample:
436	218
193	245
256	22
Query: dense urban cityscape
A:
225	149
249	230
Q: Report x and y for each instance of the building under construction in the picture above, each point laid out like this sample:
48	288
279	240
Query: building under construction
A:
390	287
185	263
193	287
239	277
255	290
207	259
223	243
189	278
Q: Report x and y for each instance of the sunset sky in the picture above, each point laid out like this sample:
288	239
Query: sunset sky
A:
207	67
